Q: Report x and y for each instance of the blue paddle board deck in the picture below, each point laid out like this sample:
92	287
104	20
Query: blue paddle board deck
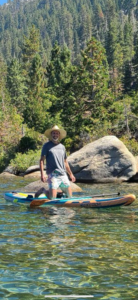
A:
83	201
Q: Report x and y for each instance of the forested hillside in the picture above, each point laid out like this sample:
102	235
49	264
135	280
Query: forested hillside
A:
72	22
69	62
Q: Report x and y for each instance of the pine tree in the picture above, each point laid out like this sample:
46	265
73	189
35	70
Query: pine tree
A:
135	62
95	76
37	101
3	90
30	47
87	90
85	30
128	78
16	85
99	26
59	72
114	52
128	50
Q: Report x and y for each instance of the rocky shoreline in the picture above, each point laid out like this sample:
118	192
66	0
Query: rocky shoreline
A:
103	161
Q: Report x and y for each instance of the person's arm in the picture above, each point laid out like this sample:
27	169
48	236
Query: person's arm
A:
72	177
43	177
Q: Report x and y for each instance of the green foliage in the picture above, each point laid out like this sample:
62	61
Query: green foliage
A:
10	128
4	96
87	90
23	161
31	141
131	144
31	45
101	129
3	159
69	22
77	85
16	85
68	143
134	104
77	141
37	104
10	133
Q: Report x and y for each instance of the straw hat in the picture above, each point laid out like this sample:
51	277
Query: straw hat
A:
62	132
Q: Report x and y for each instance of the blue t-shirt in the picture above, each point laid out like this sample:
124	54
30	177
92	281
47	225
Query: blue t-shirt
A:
55	155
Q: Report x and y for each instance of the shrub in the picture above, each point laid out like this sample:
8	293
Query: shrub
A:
31	141
22	162
131	144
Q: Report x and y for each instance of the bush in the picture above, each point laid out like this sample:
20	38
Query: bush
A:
68	142
22	162
31	141
131	144
2	160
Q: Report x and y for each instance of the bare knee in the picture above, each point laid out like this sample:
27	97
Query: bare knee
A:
40	191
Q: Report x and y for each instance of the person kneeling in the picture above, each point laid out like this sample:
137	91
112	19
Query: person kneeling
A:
57	165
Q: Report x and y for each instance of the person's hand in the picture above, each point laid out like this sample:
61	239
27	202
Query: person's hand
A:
72	177
43	178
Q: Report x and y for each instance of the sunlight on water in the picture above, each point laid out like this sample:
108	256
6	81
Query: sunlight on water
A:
60	253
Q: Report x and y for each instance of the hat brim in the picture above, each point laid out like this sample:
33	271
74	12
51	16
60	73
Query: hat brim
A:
61	131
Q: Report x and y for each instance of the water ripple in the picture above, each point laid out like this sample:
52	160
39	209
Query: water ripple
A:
66	252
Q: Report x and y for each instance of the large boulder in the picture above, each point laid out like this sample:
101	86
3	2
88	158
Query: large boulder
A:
36	185
32	169
104	160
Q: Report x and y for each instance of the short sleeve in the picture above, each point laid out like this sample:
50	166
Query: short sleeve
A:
65	155
44	150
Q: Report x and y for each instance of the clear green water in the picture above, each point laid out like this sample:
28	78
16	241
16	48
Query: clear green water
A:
68	253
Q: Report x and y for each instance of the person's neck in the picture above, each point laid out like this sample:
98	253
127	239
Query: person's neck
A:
55	142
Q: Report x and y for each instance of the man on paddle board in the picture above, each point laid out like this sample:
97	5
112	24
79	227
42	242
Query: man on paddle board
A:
57	166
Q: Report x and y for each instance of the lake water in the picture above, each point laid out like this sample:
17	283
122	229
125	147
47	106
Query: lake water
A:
64	253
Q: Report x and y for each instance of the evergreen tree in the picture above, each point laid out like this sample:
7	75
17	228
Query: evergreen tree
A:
128	78
4	97
87	90
58	71
127	5
95	76
114	52
59	75
16	85
37	101
85	26
99	26
30	47
128	50
135	62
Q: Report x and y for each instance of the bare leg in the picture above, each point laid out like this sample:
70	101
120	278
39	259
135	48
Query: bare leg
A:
68	191
52	194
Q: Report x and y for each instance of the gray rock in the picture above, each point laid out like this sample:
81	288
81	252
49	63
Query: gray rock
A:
32	169
104	160
36	185
35	174
7	174
10	170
